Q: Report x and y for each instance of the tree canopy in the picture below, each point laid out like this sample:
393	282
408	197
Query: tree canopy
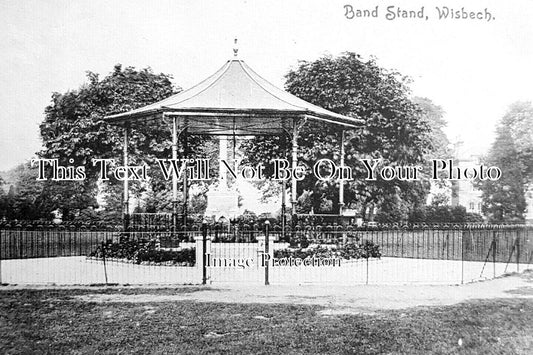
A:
74	132
74	128
512	151
397	130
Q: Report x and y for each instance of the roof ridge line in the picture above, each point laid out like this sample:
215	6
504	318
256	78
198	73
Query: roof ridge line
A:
222	71
262	87
301	107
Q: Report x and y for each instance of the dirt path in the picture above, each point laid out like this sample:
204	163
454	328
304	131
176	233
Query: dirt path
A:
342	300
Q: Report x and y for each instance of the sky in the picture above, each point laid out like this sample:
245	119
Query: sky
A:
474	69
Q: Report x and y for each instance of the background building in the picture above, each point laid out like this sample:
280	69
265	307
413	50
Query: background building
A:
464	192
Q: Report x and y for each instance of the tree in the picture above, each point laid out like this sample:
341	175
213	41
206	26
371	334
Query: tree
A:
440	199
433	115
74	127
4	207
74	130
512	151
395	130
25	199
519	120
441	213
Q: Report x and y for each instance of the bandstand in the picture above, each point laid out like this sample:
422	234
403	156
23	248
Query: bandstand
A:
234	101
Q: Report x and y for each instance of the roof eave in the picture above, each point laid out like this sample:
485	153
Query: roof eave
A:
340	120
123	118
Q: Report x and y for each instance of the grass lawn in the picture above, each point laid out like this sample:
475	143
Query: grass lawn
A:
52	321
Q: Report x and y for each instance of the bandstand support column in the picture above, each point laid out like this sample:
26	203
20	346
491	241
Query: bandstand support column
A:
126	198
283	190
174	176
294	164
341	183
185	182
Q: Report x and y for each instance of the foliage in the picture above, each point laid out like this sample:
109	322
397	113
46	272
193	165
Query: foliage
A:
433	115
367	249
393	209
4	203
512	151
396	130
440	199
74	132
91	216
74	129
247	218
141	251
364	250
438	213
29	199
198	203
472	217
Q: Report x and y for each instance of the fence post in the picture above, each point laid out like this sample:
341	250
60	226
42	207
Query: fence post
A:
204	252
518	251
103	257
1	257
494	253
463	255
367	257
267	227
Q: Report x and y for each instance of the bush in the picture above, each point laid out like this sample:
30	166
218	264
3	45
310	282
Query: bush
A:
472	217
366	249
139	251
443	214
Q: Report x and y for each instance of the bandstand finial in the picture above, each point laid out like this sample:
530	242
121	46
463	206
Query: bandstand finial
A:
235	48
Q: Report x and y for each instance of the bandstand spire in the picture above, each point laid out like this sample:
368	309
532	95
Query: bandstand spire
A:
235	48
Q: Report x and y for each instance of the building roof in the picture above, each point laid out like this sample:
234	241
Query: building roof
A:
235	99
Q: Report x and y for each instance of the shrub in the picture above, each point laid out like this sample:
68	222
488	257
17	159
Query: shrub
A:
366	249
443	214
139	251
472	217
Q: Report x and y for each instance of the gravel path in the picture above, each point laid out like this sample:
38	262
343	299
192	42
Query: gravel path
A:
342	299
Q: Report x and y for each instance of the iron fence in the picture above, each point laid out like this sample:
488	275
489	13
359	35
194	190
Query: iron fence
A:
40	225
470	243
147	222
25	244
421	253
87	257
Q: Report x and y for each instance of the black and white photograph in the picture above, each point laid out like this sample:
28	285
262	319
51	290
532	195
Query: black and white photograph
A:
266	177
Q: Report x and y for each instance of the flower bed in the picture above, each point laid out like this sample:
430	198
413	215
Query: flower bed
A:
364	250
144	252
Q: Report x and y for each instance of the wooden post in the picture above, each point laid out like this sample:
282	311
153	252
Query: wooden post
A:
125	209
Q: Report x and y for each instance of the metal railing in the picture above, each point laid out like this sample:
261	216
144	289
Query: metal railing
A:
424	253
